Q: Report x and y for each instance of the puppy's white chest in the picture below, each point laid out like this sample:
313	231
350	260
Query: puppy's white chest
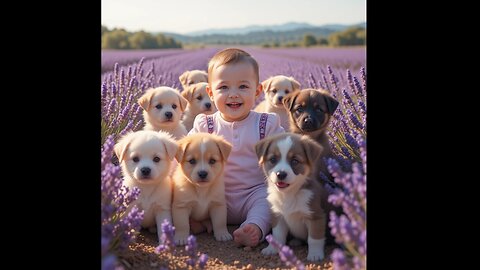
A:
200	209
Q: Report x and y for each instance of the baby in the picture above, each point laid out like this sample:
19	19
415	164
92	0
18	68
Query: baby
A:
233	86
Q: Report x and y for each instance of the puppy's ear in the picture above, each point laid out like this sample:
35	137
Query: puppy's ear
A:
295	84
188	93
205	74
121	147
225	148
183	78
313	150
182	146
332	104
261	149
183	102
266	84
171	147
289	100
144	100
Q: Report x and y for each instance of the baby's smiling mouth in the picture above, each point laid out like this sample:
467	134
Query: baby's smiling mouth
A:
234	105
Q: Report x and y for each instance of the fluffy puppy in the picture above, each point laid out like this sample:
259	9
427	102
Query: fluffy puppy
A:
162	109
297	200
145	158
198	102
198	186
190	77
275	89
310	111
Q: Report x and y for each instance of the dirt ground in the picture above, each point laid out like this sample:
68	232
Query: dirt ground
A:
221	255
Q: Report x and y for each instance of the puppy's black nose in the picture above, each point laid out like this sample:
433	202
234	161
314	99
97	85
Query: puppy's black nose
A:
202	174
145	171
308	121
281	175
280	99
168	115
208	105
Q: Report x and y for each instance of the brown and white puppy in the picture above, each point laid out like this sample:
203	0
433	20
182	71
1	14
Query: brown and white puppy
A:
275	89
162	110
198	102
198	185
310	111
190	77
297	200
145	158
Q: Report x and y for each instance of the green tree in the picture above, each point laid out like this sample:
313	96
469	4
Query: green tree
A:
348	37
143	40
116	39
309	40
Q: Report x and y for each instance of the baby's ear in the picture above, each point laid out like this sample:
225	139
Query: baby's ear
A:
209	92
259	90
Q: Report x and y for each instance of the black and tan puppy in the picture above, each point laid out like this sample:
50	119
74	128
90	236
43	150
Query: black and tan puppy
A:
310	111
298	201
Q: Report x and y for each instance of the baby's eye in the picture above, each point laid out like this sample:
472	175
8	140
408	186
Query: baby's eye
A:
159	106
192	161
243	86
135	159
156	159
274	91
199	97
212	161
174	106
223	87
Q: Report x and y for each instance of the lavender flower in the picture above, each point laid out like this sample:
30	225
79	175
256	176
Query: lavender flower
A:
166	239
286	254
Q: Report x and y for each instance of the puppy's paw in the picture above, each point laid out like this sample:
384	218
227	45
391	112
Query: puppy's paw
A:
270	250
315	257
180	238
223	235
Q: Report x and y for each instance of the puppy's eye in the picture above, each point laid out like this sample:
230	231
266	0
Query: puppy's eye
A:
159	106
300	110
274	91
156	159
294	162
135	159
192	161
199	97
212	161
190	83
319	109
174	106
286	91
273	160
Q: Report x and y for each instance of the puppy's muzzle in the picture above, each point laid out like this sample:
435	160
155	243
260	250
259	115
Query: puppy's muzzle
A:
308	124
203	175
208	106
168	115
145	172
281	175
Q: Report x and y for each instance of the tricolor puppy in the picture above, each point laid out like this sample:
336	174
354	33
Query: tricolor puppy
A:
198	102
190	77
297	200
275	89
310	111
145	158
162	110
198	185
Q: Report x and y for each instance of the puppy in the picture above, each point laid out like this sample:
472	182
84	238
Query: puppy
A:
145	158
162	109
275	89
310	111
198	186
297	200
198	102
190	77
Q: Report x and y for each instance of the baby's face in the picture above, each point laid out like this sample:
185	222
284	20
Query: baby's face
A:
233	89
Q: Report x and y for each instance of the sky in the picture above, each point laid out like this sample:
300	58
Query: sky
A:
183	16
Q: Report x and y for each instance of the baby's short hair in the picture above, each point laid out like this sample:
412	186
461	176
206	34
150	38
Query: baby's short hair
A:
231	56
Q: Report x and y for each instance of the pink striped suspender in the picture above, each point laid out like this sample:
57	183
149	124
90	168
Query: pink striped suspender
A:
262	124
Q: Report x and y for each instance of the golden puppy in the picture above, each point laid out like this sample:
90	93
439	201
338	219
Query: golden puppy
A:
310	111
298	201
162	110
146	157
198	187
190	77
198	102
275	89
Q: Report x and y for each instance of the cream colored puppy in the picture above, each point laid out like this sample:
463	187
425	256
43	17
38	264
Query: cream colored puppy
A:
298	201
190	77
145	158
275	89
198	186
198	102
162	110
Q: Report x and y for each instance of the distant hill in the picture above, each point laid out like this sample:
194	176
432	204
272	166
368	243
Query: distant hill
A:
292	32
251	28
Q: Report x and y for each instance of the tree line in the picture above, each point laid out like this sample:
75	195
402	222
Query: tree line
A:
119	38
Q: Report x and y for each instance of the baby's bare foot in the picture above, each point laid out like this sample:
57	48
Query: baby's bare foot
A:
248	235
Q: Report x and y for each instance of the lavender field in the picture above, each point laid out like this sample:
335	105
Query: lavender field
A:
126	76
